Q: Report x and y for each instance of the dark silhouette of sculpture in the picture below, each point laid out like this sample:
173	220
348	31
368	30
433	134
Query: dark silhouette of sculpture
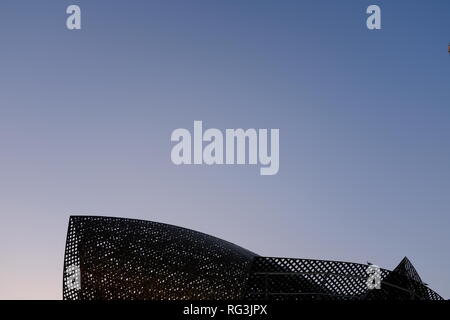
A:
115	258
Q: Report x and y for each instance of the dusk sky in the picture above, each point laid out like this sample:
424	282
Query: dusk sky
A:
364	117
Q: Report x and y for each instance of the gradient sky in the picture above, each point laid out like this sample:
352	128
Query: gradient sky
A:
86	118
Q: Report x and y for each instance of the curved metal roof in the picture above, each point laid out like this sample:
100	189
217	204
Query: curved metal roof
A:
118	258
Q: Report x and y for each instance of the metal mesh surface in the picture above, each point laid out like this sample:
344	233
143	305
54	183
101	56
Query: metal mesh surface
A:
303	279
115	258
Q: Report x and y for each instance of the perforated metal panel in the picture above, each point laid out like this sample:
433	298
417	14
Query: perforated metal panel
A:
114	258
303	279
406	268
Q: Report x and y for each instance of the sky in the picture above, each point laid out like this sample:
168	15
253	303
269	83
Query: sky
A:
86	118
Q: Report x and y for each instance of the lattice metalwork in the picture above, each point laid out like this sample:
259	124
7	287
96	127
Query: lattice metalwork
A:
115	258
406	268
303	279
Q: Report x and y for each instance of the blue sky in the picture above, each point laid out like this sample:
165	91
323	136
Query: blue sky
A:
86	118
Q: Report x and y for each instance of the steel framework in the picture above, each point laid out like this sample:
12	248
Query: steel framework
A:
116	258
